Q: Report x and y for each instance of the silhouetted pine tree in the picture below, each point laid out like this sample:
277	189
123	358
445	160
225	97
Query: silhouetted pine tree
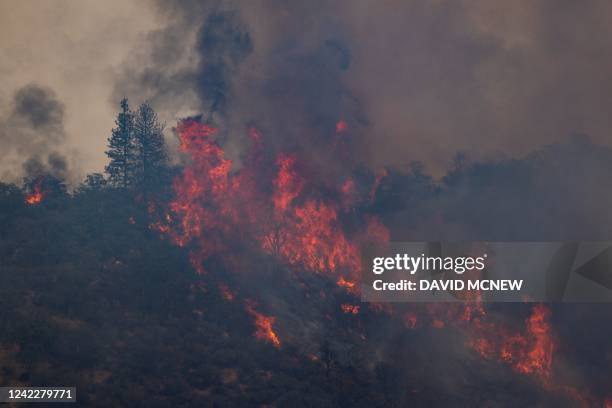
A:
93	182
152	157
121	149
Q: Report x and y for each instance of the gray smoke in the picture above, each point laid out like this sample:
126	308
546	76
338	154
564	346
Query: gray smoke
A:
415	80
32	135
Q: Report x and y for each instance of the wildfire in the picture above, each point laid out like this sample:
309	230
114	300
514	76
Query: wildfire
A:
263	325
532	353
341	126
343	283
214	206
349	193
377	182
410	320
226	293
529	352
312	238
198	209
483	346
438	324
270	205
287	185
349	309
37	195
309	234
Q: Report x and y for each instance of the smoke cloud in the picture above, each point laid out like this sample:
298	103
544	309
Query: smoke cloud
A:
415	81
472	107
33	135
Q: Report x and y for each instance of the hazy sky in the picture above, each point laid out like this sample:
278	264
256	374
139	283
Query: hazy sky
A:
416	80
72	47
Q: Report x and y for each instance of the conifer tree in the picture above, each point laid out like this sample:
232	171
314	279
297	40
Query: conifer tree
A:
151	153
121	149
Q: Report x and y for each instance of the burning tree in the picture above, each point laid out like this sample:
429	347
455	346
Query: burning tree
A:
213	206
43	187
36	195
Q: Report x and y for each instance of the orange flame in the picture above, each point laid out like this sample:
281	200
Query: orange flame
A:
377	182
341	126
287	185
532	353
529	352
309	234
36	196
350	309
200	194
410	320
348	285
213	207
263	325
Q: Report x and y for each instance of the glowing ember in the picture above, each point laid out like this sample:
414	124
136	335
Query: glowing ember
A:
263	325
287	185
37	195
313	357
350	309
348	187
532	353
226	293
528	352
341	126
379	178
485	347
349	193
343	283
410	320
438	324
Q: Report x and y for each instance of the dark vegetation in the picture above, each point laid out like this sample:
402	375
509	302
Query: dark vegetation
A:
91	297
91	300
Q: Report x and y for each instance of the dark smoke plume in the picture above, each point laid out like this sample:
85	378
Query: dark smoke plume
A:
223	44
414	80
32	135
207	60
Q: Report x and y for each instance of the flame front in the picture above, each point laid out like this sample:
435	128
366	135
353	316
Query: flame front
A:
268	205
263	325
214	207
532	353
528	352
